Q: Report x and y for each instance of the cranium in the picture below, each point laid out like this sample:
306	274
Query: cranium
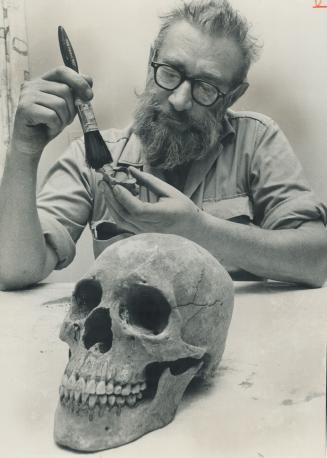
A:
152	313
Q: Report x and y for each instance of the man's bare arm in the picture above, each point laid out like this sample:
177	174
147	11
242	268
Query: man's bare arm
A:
45	108
294	255
25	257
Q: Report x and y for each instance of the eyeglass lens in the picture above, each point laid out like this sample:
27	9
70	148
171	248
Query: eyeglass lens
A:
202	92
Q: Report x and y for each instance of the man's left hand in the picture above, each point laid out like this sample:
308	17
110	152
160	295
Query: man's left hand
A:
174	213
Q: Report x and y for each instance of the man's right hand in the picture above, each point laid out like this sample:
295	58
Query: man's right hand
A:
46	107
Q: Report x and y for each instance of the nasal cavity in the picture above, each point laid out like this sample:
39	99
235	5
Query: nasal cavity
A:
98	331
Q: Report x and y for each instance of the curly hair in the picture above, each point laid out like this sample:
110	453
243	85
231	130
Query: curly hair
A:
216	18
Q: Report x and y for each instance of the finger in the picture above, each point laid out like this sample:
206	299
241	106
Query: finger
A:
39	114
123	223
63	91
133	205
31	92
74	80
159	187
57	104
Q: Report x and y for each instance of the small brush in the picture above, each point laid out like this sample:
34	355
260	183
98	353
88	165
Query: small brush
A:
96	151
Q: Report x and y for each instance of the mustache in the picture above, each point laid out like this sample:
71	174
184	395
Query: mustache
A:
182	117
178	116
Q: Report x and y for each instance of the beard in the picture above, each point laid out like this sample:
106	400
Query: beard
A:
174	138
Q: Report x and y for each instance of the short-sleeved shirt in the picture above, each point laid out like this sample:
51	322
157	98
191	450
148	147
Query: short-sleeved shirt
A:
251	177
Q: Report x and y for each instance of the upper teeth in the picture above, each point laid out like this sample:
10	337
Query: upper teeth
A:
92	392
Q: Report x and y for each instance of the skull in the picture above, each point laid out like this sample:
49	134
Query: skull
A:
152	313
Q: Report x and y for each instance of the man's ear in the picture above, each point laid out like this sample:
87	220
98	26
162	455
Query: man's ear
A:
235	94
152	54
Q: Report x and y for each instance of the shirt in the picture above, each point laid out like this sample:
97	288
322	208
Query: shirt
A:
252	177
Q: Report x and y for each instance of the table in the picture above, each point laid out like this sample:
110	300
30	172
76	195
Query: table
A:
268	399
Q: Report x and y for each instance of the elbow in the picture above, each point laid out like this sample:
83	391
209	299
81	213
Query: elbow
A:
316	281
316	270
15	276
318	276
310	262
15	281
14	285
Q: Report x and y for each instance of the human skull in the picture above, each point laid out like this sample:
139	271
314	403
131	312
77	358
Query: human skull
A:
152	313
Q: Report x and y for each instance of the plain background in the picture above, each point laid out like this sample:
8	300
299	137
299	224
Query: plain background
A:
112	41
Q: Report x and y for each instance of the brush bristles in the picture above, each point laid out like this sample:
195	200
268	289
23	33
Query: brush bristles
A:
96	151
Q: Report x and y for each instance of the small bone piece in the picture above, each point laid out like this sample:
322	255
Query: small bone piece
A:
121	175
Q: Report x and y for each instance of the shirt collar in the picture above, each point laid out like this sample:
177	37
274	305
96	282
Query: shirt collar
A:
227	128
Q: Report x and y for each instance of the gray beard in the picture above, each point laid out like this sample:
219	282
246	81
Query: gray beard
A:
170	141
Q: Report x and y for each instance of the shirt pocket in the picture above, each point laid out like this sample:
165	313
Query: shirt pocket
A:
236	208
104	234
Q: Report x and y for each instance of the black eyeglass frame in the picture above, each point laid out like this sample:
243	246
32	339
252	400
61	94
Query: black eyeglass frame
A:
157	65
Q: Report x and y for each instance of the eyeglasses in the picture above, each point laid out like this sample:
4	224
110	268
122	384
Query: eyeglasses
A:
170	78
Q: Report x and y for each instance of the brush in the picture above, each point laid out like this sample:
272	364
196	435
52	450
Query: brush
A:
96	151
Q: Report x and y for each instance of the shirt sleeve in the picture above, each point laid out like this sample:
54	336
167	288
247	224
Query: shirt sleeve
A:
281	195
65	202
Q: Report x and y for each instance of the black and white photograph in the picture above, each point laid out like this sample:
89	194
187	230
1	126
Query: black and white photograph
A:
163	243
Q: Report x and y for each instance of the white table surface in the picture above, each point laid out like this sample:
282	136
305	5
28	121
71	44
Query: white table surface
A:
267	401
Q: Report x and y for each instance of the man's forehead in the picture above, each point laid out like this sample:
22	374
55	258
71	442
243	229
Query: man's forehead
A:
200	52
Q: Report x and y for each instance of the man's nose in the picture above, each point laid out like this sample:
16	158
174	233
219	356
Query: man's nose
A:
181	97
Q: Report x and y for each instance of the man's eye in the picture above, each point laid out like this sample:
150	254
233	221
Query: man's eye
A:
206	89
169	73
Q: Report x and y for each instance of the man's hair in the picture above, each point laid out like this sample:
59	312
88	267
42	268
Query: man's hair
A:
217	18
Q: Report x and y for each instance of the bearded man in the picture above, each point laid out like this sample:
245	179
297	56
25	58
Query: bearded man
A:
226	180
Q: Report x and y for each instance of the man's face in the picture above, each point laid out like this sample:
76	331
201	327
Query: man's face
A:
173	128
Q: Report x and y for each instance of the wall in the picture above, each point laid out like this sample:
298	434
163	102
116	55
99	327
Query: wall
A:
112	42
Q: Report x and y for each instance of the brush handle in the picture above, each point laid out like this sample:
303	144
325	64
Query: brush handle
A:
84	109
66	49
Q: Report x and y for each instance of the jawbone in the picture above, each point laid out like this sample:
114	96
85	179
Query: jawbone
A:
120	425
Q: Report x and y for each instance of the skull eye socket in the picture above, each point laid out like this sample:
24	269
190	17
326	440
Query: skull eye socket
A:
87	296
145	307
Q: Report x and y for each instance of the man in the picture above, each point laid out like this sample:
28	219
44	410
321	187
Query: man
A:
228	181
